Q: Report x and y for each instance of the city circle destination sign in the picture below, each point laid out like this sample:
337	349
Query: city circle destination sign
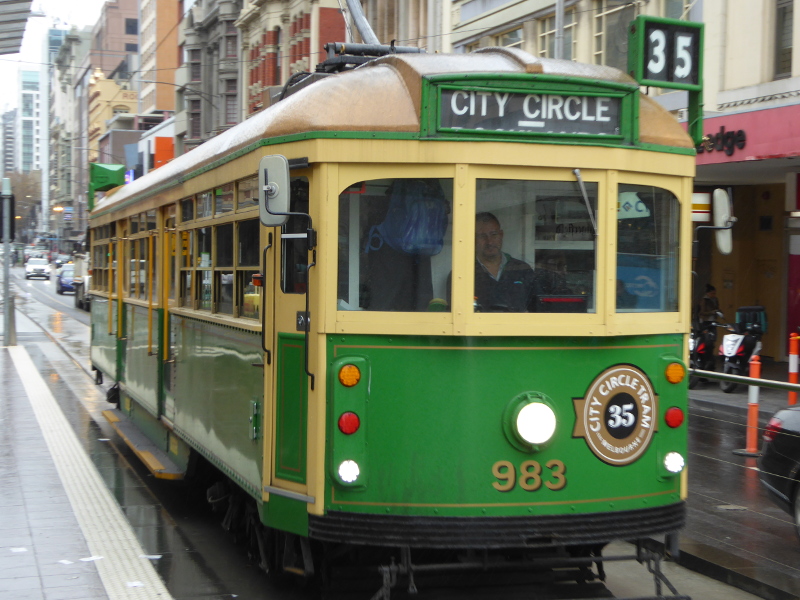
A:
544	113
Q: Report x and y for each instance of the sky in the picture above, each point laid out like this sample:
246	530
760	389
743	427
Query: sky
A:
61	14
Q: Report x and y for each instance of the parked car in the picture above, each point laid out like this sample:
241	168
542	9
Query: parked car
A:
779	463
62	259
64	279
37	267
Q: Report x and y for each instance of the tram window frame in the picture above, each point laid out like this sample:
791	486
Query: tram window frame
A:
101	240
384	279
223	268
204	207
551	230
247	193
186	268
248	256
187	209
203	276
659	264
224	198
171	242
216	259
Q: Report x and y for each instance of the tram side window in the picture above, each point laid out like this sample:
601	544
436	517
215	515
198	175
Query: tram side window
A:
223	199
247	193
187	210
144	252
205	204
535	246
248	296
185	261
295	249
395	245
648	236
224	258
203	277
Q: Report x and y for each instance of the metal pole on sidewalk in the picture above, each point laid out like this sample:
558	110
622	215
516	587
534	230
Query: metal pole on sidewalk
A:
752	411
794	351
9	333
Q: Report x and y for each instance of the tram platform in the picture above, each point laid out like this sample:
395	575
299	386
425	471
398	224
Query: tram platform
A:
63	535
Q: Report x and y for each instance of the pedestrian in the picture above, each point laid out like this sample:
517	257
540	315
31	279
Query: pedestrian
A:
709	306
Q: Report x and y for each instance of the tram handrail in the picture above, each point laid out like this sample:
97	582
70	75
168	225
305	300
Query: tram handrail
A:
743	379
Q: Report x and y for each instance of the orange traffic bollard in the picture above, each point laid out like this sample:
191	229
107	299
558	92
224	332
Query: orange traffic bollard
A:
794	351
752	407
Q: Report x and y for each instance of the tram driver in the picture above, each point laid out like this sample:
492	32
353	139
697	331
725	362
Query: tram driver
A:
502	283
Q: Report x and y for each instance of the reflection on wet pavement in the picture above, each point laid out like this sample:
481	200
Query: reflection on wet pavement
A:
190	550
757	541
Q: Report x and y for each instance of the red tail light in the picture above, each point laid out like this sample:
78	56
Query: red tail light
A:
674	417
349	423
774	427
701	347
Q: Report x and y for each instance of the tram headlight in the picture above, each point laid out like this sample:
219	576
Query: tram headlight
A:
349	471
529	421
536	423
674	462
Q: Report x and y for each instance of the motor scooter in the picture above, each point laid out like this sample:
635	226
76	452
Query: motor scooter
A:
701	349
738	346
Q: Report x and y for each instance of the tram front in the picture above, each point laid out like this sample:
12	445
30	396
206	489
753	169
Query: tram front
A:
506	363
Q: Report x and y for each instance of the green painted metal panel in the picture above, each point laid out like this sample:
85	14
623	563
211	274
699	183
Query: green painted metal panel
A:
285	514
104	345
291	409
142	360
217	389
434	423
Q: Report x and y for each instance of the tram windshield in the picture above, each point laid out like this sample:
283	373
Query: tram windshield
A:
395	245
534	246
648	238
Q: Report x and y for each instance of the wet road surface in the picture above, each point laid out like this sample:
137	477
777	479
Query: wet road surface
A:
197	559
728	509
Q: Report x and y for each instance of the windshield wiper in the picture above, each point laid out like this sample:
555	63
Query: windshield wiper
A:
577	173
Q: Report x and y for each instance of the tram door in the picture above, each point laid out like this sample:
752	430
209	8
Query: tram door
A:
289	393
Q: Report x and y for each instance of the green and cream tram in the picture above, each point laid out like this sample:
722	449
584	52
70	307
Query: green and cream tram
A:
355	381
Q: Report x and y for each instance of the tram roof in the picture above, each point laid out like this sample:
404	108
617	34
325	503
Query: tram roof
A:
347	102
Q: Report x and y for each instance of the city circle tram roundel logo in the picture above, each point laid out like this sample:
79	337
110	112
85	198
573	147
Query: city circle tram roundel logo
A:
618	415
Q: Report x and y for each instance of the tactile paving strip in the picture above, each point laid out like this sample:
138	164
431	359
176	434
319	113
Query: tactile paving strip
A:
125	572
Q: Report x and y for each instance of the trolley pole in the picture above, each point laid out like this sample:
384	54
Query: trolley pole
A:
9	333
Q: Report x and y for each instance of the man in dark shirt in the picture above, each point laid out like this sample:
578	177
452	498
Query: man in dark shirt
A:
502	283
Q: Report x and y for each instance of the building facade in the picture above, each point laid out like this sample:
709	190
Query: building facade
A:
752	148
159	54
9	141
29	122
209	78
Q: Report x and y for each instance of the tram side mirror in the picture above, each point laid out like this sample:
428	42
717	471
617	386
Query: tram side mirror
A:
723	218
273	190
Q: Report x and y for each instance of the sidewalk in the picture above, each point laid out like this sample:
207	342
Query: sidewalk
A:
71	337
770	400
63	534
